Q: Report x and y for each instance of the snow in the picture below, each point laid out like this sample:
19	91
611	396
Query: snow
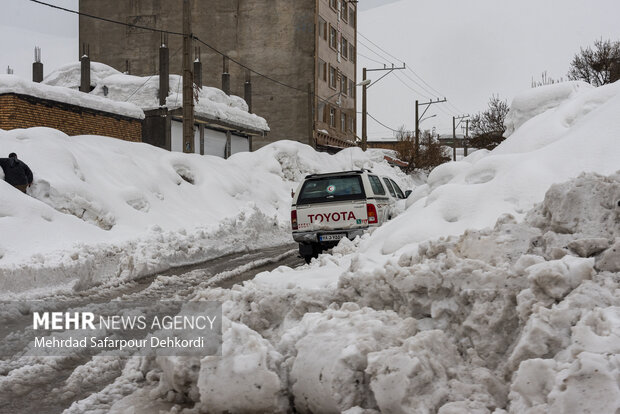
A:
495	291
143	92
17	85
101	209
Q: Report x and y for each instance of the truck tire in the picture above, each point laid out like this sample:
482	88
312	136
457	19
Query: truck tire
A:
309	251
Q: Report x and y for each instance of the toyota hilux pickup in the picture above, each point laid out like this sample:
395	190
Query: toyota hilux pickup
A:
329	207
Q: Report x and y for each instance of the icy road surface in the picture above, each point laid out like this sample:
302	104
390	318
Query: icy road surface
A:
49	385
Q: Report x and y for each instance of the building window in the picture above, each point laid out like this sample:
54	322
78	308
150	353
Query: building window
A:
322	70
351	88
344	83
321	112
352	124
344	47
344	10
351	52
333	4
322	28
333	37
332	117
352	16
332	77
343	122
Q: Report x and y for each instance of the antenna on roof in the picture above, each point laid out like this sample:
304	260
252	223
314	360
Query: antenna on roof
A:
37	54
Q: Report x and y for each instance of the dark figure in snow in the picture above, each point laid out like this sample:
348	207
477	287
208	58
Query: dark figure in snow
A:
16	172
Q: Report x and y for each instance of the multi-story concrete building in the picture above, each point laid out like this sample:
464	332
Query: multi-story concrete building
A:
309	45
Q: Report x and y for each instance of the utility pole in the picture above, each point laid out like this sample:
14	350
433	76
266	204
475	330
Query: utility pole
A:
364	111
466	138
454	126
417	122
364	104
188	81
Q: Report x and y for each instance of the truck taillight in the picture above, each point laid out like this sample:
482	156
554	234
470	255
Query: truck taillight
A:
294	219
371	212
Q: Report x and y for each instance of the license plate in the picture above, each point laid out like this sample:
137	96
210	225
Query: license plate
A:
332	237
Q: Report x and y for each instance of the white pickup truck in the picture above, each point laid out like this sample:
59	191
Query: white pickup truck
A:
329	207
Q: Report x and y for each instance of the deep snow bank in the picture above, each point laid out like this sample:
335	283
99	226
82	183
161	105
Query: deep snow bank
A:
577	132
523	317
102	208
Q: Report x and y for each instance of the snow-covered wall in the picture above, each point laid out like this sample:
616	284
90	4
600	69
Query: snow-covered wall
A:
15	84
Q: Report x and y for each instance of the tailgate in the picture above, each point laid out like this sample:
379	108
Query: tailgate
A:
332	216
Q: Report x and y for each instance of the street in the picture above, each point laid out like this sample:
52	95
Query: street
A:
51	384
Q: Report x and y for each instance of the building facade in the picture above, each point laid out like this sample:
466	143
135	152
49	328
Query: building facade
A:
309	45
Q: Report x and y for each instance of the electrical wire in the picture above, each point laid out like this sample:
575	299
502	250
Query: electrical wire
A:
176	34
371	59
429	89
381	123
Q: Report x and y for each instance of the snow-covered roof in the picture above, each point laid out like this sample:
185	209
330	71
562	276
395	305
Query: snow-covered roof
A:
17	85
142	91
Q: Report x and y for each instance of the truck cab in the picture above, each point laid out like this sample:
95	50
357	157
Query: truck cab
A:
329	207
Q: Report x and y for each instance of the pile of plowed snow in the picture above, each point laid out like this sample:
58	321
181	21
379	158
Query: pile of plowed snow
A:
520	313
101	209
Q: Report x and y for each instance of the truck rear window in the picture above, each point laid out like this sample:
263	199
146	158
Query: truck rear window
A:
328	189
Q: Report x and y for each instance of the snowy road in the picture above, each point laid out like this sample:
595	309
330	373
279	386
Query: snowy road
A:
52	384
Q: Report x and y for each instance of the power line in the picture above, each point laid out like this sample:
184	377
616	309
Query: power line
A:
369	58
173	33
105	19
409	87
373	51
380	48
432	90
381	123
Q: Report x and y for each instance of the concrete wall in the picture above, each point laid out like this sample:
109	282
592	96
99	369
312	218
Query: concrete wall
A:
345	66
275	37
22	111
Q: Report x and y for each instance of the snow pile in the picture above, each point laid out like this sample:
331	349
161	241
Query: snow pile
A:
17	85
102	209
578	134
506	318
520	316
144	92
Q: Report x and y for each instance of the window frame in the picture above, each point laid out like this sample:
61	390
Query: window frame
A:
344	49
334	84
333	41
323	26
399	193
352	88
344	85
323	70
374	180
352	16
344	11
352	55
321	112
332	117
388	184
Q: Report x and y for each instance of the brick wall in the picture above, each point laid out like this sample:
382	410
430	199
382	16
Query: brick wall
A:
390	145
22	111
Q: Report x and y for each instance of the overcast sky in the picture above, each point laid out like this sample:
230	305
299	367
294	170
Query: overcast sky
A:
465	50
